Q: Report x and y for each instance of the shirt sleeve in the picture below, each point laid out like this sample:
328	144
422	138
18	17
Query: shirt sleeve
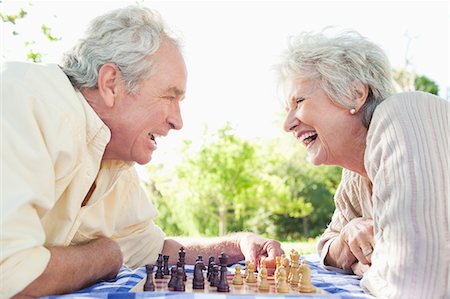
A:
347	208
120	209
28	183
407	161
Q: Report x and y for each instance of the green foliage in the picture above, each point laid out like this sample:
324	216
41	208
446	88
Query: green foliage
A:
32	54
230	184
12	18
425	84
410	81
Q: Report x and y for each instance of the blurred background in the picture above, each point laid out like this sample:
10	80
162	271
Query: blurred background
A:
232	167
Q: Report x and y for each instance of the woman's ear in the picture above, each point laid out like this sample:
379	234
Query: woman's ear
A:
108	83
360	94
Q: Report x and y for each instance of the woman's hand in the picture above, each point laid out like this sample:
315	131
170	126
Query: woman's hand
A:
354	244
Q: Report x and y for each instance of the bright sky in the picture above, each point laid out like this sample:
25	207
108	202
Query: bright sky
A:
231	46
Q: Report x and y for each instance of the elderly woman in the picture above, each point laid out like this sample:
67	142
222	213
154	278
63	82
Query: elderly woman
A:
391	222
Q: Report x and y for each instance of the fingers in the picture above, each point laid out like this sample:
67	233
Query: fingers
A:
362	252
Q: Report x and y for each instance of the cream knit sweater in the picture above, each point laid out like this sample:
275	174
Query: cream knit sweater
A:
407	195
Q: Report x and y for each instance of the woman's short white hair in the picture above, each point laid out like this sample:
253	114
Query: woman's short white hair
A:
126	37
338	61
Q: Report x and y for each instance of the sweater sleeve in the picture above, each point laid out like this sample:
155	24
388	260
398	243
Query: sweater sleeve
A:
347	208
407	162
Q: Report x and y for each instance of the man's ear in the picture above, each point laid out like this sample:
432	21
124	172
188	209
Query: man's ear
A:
360	94
108	83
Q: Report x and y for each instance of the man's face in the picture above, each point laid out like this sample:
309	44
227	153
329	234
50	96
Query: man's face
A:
139	119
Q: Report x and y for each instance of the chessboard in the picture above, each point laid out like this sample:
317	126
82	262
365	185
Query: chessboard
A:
161	285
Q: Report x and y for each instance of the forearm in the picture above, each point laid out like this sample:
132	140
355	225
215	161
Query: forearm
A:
205	247
74	267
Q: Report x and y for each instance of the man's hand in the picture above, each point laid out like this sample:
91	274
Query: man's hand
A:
354	244
74	267
255	248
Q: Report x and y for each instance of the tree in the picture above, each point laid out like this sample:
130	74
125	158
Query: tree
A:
12	19
408	81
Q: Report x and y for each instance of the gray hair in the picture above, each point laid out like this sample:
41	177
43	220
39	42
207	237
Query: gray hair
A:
126	37
338	62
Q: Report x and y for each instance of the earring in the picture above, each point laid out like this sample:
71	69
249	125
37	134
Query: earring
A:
352	111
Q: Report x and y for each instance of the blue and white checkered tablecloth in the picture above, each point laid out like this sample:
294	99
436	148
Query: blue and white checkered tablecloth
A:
338	285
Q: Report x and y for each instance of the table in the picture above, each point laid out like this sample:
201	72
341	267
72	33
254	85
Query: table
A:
337	284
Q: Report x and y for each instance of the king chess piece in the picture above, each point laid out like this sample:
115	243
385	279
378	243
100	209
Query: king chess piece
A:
149	285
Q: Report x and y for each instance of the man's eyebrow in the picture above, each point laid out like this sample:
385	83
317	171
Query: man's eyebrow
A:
175	90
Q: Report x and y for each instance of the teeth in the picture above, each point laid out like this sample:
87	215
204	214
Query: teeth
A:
306	135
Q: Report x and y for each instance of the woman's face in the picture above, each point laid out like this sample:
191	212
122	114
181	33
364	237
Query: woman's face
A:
328	131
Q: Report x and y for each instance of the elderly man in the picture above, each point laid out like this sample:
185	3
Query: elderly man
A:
72	207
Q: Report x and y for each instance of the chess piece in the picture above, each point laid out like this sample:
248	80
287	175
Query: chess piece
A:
246	269
285	265
295	275
215	276
282	286
237	278
149	285
210	267
304	286
277	268
294	255
179	286
263	281
166	265
173	278
199	280
223	282
159	267
182	255
251	278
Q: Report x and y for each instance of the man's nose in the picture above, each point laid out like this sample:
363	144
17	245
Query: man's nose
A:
175	119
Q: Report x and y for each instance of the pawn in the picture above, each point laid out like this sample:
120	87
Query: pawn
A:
173	278
263	282
251	278
215	276
304	286
237	278
277	268
282	286
246	269
179	286
149	285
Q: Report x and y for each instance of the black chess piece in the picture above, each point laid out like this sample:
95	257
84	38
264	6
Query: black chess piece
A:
179	286
199	280
182	254
166	265
173	278
215	276
149	285
210	267
223	285
159	270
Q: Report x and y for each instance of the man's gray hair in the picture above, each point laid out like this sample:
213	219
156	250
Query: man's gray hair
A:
339	61
126	37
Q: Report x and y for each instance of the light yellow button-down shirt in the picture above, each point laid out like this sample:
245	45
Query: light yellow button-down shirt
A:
52	148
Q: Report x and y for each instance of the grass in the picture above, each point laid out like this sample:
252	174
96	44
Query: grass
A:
303	247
